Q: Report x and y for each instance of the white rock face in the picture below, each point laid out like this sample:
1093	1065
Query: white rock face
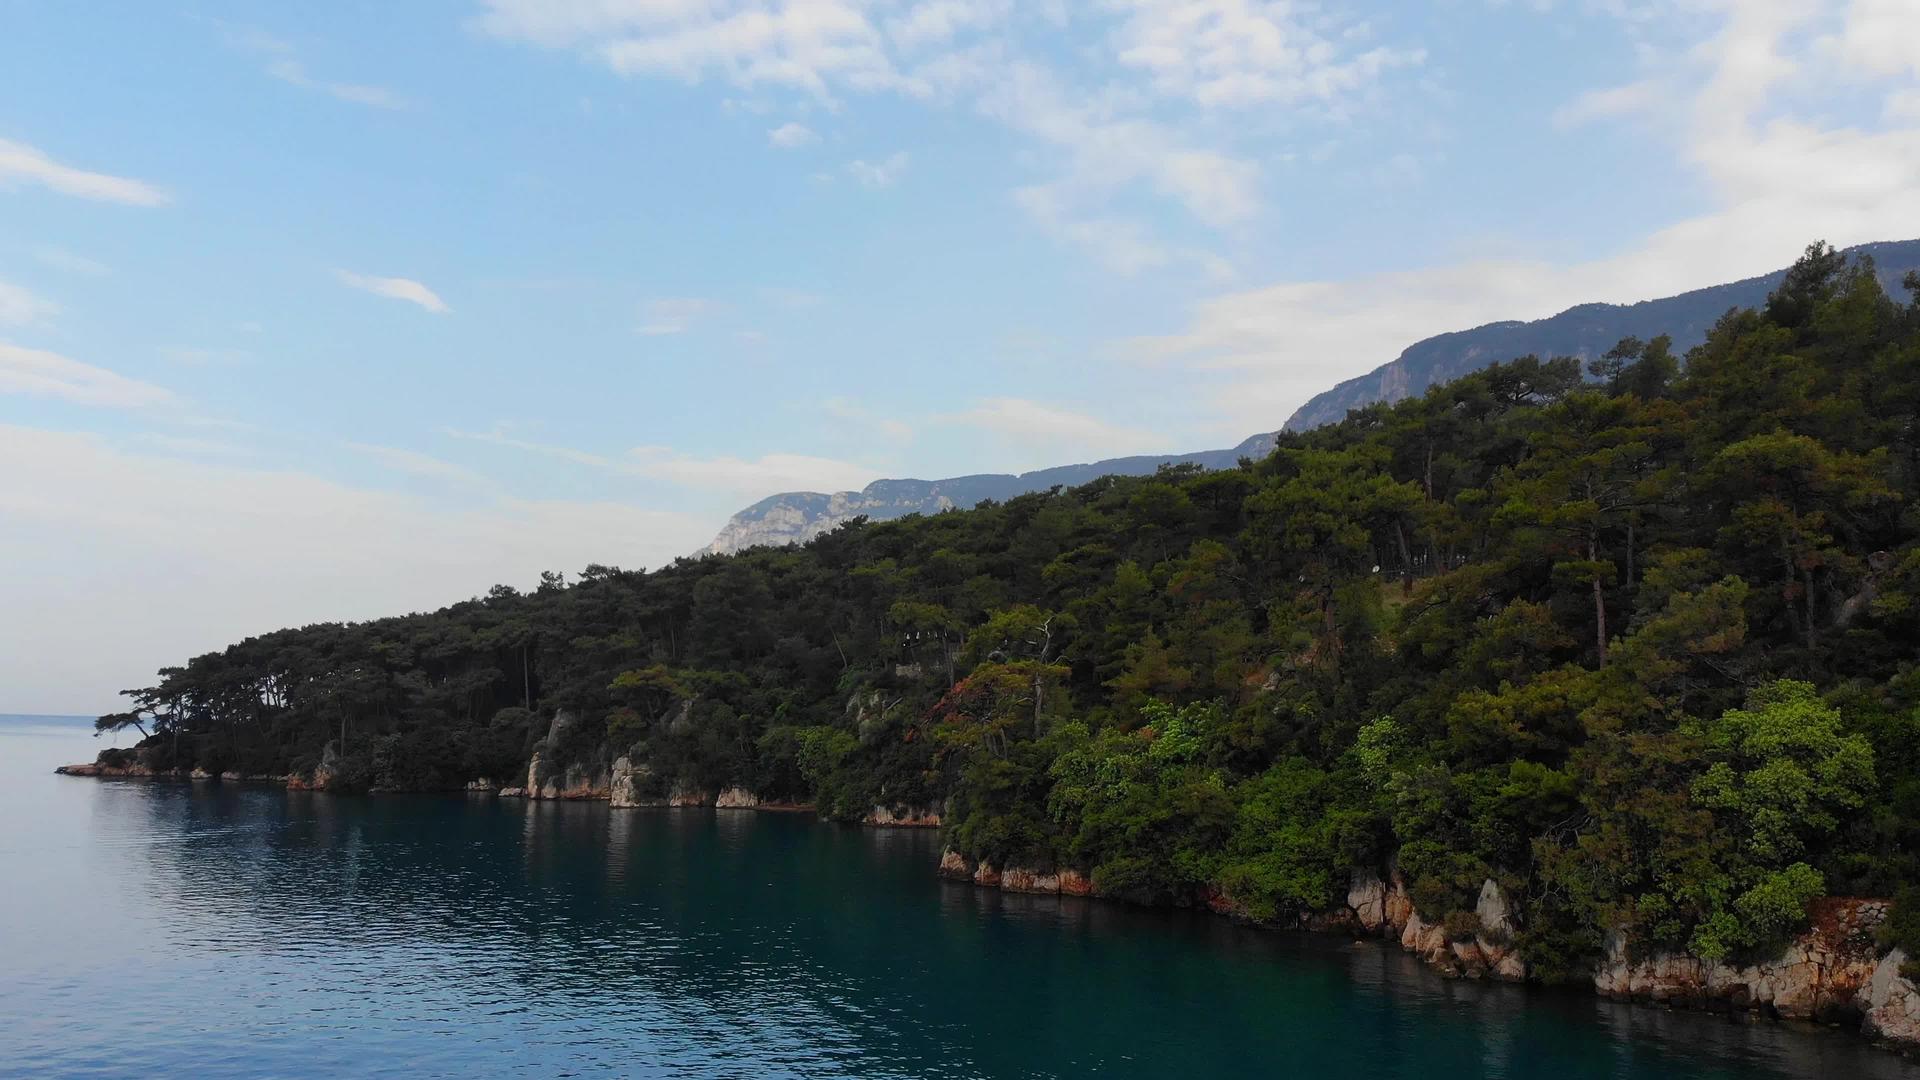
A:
1819	975
1367	896
736	798
1890	1003
626	784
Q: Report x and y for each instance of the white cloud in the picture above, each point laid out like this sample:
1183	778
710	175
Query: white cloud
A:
1049	435
39	373
794	299
1881	37
880	174
792	135
415	463
748	477
848	412
293	73
1124	119
1249	52
751	478
808	45
1776	180
188	446
937	22
675	315
1105	152
395	288
196	356
282	63
1120	244
1612	101
114	563
62	259
18	307
23	164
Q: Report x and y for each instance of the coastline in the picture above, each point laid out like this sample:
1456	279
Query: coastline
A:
1833	974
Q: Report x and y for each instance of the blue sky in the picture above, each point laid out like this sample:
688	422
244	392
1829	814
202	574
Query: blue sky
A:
328	311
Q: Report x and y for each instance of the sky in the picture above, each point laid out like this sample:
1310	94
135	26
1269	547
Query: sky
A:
330	311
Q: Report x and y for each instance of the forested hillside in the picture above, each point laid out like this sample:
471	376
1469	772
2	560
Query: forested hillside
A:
1585	331
1640	649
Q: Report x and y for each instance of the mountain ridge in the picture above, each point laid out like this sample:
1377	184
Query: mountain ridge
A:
798	516
1584	331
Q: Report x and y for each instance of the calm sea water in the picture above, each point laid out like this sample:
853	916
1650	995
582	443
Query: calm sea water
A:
154	928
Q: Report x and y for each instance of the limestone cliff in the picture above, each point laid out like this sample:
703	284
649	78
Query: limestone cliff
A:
1818	976
795	517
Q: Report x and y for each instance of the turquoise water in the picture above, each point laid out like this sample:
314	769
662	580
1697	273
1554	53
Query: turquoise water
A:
153	928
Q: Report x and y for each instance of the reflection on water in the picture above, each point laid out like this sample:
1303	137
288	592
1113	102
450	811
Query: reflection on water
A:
251	931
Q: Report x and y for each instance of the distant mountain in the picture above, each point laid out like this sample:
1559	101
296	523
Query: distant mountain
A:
799	516
1586	331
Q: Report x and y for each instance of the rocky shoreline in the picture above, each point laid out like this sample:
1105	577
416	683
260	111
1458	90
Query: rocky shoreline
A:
1832	974
622	788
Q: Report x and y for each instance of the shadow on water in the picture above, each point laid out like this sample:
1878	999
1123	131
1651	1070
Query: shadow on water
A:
304	934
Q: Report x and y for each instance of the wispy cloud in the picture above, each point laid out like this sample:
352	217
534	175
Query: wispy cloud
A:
879	174
395	288
425	466
1244	53
739	476
293	73
19	307
502	435
188	446
849	412
1151	100
283	63
750	477
674	315
197	356
23	164
1046	430
40	373
1731	98
62	259
792	135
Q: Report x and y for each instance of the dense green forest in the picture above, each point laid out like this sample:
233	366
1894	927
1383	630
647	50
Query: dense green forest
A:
1638	642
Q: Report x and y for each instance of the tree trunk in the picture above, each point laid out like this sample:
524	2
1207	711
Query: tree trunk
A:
1599	601
1806	596
1406	559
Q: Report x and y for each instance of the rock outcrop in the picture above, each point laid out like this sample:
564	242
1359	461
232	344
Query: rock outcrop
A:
1060	881
736	798
324	777
903	817
629	783
1818	976
1889	1004
548	779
